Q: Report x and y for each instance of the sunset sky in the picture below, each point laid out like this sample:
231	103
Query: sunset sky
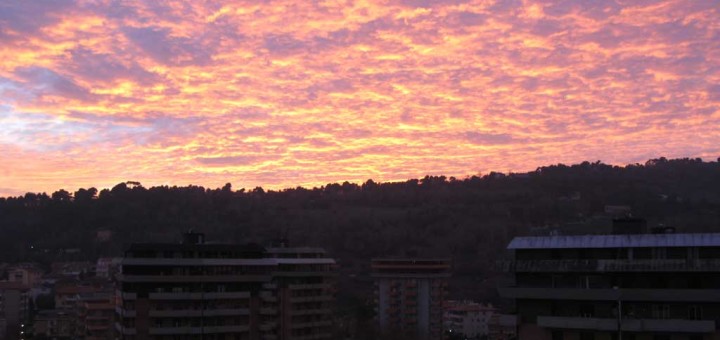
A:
287	93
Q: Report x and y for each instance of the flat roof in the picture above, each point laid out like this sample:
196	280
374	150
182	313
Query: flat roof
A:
247	248
616	241
295	250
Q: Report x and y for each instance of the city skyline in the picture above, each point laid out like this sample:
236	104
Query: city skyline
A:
287	93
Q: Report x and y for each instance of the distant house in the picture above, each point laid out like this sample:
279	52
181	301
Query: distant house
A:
107	267
467	318
73	270
28	274
103	235
618	210
55	324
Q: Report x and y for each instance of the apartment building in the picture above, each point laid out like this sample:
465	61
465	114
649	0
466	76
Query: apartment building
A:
629	285
409	295
198	290
95	315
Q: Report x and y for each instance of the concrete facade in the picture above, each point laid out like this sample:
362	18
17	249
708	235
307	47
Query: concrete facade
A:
630	286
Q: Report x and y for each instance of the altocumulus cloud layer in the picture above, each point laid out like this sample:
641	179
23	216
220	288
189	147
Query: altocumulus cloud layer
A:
285	93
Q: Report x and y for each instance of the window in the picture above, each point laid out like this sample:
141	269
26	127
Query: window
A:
660	311
695	312
557	335
587	336
659	253
587	310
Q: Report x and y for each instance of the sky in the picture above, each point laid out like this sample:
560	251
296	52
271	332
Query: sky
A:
303	93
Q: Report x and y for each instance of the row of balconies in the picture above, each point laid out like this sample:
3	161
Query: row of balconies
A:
197	330
628	325
185	312
318	336
197	278
320	298
190	296
321	311
625	294
309	286
267	326
124	330
198	313
311	324
609	265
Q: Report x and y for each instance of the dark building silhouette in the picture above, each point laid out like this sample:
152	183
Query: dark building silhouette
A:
14	310
409	295
197	290
606	287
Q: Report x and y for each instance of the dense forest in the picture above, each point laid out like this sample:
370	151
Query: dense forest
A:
470	220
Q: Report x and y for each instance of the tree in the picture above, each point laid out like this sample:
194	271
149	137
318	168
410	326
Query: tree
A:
61	196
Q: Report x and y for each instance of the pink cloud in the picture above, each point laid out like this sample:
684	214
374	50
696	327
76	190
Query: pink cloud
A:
294	93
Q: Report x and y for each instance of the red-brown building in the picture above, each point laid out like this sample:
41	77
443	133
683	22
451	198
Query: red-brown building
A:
409	295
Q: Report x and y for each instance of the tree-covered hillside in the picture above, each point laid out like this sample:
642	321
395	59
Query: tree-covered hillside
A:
469	220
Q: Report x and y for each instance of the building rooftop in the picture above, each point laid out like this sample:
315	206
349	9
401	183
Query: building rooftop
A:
6	285
617	241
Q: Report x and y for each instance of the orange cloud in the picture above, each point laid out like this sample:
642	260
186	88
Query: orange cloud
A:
290	93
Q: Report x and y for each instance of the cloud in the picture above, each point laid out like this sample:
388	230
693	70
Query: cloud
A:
100	67
19	19
289	93
166	49
42	81
489	138
229	160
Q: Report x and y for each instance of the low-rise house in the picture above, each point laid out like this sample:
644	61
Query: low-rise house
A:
467	318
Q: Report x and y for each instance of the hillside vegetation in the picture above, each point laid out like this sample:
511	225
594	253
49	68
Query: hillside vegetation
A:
470	220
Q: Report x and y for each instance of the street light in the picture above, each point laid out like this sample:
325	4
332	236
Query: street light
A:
619	311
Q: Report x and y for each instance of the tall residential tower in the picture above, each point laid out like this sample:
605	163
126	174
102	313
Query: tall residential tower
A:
409	294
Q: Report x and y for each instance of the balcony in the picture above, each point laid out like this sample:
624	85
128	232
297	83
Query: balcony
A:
197	330
309	286
313	336
311	324
659	295
610	266
268	297
125	330
268	311
317	298
197	312
199	296
194	278
127	296
628	325
124	312
202	262
268	326
322	311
